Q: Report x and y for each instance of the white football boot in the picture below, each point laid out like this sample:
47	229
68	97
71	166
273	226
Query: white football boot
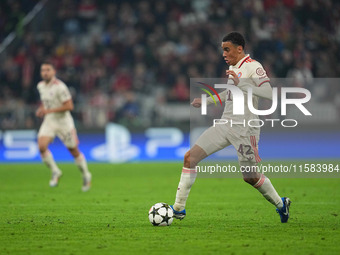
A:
87	178
55	178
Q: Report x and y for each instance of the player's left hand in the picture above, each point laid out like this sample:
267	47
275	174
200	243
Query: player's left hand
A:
46	111
41	112
232	75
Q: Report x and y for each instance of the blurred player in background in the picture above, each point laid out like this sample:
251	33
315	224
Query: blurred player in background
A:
55	109
244	138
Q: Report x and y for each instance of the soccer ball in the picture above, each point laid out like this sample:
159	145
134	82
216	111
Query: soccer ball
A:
161	214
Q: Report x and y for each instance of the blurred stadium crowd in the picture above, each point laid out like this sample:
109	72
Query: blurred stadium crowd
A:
130	61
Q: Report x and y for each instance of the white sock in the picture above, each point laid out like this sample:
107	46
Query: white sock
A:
48	159
267	189
82	164
188	178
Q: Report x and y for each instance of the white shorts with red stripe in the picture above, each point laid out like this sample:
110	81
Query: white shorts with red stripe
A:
218	137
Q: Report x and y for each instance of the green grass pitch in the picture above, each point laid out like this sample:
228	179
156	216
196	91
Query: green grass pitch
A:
224	216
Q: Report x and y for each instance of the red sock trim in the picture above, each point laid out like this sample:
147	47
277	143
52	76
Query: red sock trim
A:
260	182
189	170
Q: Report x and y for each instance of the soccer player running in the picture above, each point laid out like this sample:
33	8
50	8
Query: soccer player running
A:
55	109
243	138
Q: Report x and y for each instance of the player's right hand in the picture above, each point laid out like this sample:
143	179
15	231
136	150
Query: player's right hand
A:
233	76
196	102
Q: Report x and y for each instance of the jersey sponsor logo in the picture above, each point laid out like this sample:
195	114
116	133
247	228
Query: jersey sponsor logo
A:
260	71
239	75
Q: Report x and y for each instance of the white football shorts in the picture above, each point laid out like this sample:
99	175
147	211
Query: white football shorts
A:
218	137
64	130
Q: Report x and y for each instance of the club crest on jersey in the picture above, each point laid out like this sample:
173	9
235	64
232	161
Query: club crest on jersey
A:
239	75
260	71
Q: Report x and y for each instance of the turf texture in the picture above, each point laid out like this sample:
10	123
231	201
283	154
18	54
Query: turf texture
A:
224	215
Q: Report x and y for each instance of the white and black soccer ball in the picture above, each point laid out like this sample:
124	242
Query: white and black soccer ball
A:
161	214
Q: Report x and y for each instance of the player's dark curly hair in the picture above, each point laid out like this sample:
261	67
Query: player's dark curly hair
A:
235	38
